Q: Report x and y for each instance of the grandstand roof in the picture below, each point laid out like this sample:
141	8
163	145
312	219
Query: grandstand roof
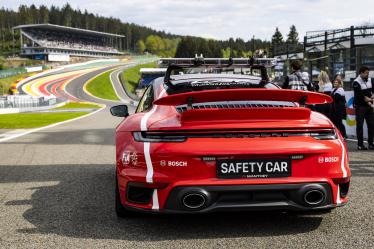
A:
49	26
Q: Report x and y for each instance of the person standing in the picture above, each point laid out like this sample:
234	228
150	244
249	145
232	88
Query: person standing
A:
324	86
295	80
338	77
339	106
363	101
324	83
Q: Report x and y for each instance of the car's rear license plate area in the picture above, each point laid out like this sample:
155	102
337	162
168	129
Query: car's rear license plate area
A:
253	168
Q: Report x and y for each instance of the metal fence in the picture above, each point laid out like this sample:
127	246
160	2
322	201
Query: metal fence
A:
287	48
10	72
26	101
21	70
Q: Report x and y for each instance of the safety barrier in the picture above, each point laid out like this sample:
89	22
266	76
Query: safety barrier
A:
26	102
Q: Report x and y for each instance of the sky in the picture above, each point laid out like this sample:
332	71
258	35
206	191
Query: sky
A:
222	19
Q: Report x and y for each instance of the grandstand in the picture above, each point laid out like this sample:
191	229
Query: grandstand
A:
59	43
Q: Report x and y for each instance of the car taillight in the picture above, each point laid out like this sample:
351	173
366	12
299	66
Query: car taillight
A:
157	138
325	135
164	136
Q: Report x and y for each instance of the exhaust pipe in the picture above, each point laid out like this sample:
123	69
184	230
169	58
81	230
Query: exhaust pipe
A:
194	200
314	197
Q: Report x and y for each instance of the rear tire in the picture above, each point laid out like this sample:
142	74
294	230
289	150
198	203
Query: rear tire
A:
121	211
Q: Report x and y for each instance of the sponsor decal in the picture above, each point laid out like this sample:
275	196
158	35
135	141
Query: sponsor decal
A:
173	163
126	157
134	158
177	163
129	157
328	159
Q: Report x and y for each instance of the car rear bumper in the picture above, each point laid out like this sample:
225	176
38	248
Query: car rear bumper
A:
264	197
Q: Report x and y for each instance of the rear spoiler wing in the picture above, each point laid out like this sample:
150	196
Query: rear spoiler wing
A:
301	97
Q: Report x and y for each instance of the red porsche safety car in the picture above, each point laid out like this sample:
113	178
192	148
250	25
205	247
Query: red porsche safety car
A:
214	135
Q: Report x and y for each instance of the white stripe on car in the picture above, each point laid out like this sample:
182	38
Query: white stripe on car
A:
147	154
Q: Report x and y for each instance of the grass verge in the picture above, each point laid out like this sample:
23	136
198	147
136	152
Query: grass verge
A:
5	83
34	120
132	75
78	105
101	87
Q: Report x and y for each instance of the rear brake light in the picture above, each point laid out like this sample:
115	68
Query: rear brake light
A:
326	135
181	136
157	138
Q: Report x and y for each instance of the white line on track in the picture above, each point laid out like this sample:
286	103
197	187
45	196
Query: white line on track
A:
118	71
55	124
50	126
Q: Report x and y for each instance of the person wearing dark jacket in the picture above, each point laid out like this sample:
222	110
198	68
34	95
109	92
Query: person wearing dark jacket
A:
363	101
339	107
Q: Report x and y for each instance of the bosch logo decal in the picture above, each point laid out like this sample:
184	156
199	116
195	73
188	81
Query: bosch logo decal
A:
328	159
173	163
162	163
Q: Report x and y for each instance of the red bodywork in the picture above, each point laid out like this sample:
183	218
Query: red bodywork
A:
164	167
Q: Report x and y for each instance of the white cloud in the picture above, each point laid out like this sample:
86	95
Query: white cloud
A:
222	19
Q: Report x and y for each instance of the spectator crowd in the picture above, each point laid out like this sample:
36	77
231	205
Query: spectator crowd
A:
54	39
336	112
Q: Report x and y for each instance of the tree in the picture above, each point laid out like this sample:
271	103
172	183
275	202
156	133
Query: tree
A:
67	15
140	46
151	43
277	38
44	14
157	42
225	53
34	14
54	15
24	14
293	36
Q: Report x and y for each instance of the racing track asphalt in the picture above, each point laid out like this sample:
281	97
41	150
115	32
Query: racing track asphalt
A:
75	87
57	191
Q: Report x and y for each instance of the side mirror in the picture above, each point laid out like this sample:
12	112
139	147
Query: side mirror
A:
119	111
